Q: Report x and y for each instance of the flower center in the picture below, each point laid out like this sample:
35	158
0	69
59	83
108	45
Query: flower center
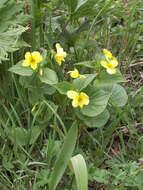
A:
110	66
79	99
32	60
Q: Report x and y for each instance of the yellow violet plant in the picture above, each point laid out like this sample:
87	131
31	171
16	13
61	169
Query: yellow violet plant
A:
32	59
79	99
90	98
110	63
60	54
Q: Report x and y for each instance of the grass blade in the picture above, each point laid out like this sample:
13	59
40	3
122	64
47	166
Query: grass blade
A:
64	157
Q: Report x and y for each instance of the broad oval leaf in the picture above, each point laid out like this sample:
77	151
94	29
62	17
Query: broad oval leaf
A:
63	157
97	121
20	70
63	87
78	166
119	96
106	79
81	83
98	100
49	77
18	135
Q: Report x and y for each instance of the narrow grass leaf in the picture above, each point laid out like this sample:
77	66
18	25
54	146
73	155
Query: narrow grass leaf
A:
63	157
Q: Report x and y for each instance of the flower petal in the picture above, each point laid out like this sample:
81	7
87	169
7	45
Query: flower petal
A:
74	74
28	56
37	56
26	63
114	61
58	59
34	66
104	63
58	46
75	103
107	53
85	98
60	55
111	71
72	94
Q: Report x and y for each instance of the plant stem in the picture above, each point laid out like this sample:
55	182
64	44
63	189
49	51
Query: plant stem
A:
33	23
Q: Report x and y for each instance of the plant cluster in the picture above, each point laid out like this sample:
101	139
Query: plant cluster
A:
71	95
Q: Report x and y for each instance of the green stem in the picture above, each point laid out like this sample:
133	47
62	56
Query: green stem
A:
41	27
72	179
33	23
57	116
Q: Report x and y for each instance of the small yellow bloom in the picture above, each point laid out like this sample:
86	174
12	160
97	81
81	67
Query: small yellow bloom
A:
60	55
32	59
79	99
75	74
110	63
110	66
107	53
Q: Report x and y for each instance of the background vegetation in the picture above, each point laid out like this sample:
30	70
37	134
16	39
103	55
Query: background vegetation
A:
30	141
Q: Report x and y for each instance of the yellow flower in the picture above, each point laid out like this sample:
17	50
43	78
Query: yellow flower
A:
107	54
75	74
110	63
60	55
110	66
32	59
79	99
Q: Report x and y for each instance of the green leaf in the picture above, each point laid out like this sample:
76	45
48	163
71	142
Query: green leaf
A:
6	163
43	113
80	4
97	121
18	135
119	96
78	166
84	8
71	4
101	176
20	70
49	77
64	157
89	64
98	100
11	19
31	83
63	87
105	79
81	83
47	89
34	133
28	82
